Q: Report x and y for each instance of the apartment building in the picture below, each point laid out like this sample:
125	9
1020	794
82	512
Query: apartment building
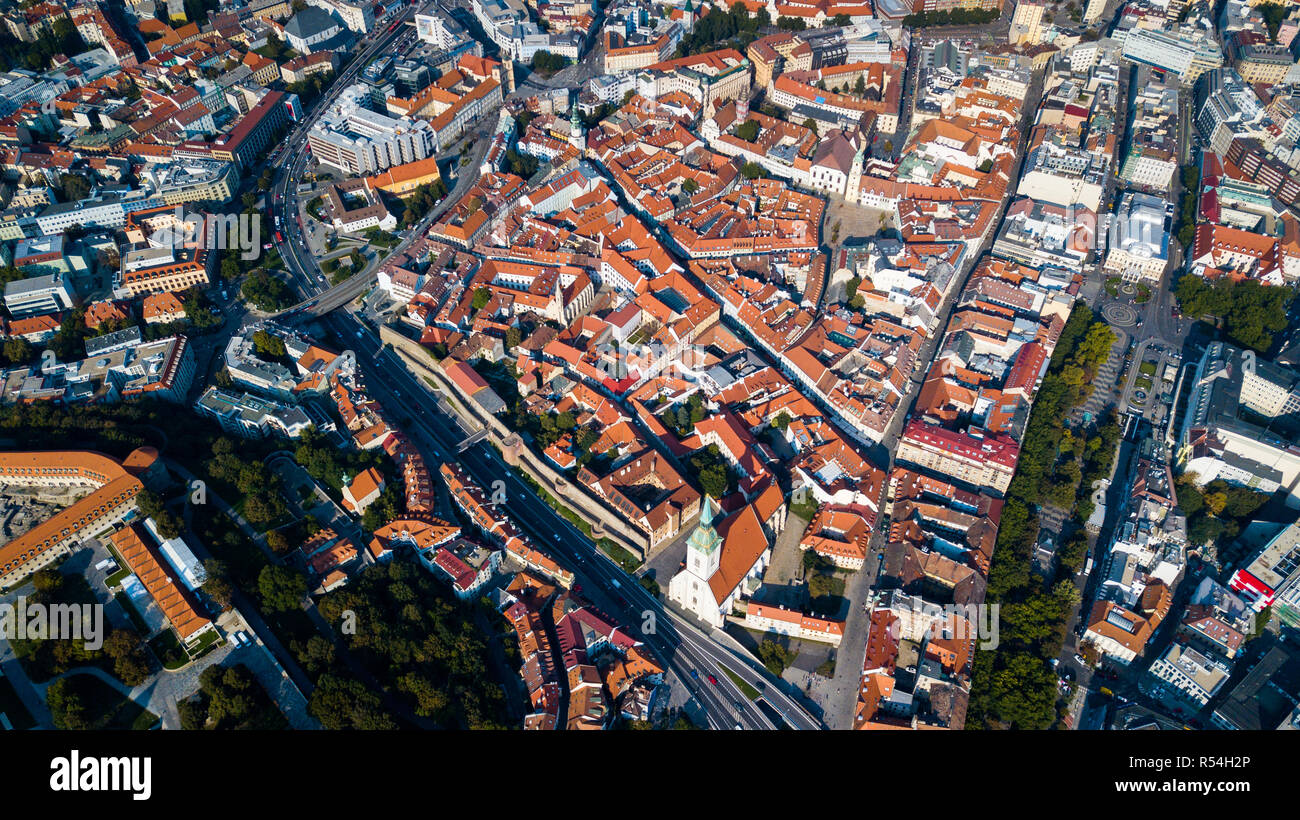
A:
776	54
793	624
1257	60
300	68
1271	578
356	17
711	78
970	458
1187	676
192	180
249	416
104	210
251	134
1122	634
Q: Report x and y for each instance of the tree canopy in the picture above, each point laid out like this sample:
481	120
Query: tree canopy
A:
1250	312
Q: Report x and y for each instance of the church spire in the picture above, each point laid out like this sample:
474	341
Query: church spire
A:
705	540
706	512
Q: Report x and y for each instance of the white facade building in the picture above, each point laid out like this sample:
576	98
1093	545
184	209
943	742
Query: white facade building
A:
356	140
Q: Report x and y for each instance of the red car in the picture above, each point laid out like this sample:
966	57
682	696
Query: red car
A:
713	680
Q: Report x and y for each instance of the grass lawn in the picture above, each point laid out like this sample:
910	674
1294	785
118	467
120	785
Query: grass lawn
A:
169	651
748	690
123	571
1143	294
1148	368
621	556
1112	286
806	511
12	707
1143	384
116	578
206	644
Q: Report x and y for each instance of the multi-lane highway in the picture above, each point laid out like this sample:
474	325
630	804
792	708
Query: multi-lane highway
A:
697	659
290	161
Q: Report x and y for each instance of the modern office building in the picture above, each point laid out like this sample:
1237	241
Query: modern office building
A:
39	294
1241	423
355	140
1272	577
1188	54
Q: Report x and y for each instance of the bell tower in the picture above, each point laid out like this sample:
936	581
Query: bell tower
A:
704	549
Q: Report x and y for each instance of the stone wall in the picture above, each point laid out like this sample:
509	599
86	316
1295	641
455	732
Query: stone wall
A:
603	520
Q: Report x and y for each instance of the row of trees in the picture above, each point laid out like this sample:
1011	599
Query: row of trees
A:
310	88
1185	228
955	17
1013	687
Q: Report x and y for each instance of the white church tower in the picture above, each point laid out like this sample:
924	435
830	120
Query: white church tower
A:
853	185
577	132
690	586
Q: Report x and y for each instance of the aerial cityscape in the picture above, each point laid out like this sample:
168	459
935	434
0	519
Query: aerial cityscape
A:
650	364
